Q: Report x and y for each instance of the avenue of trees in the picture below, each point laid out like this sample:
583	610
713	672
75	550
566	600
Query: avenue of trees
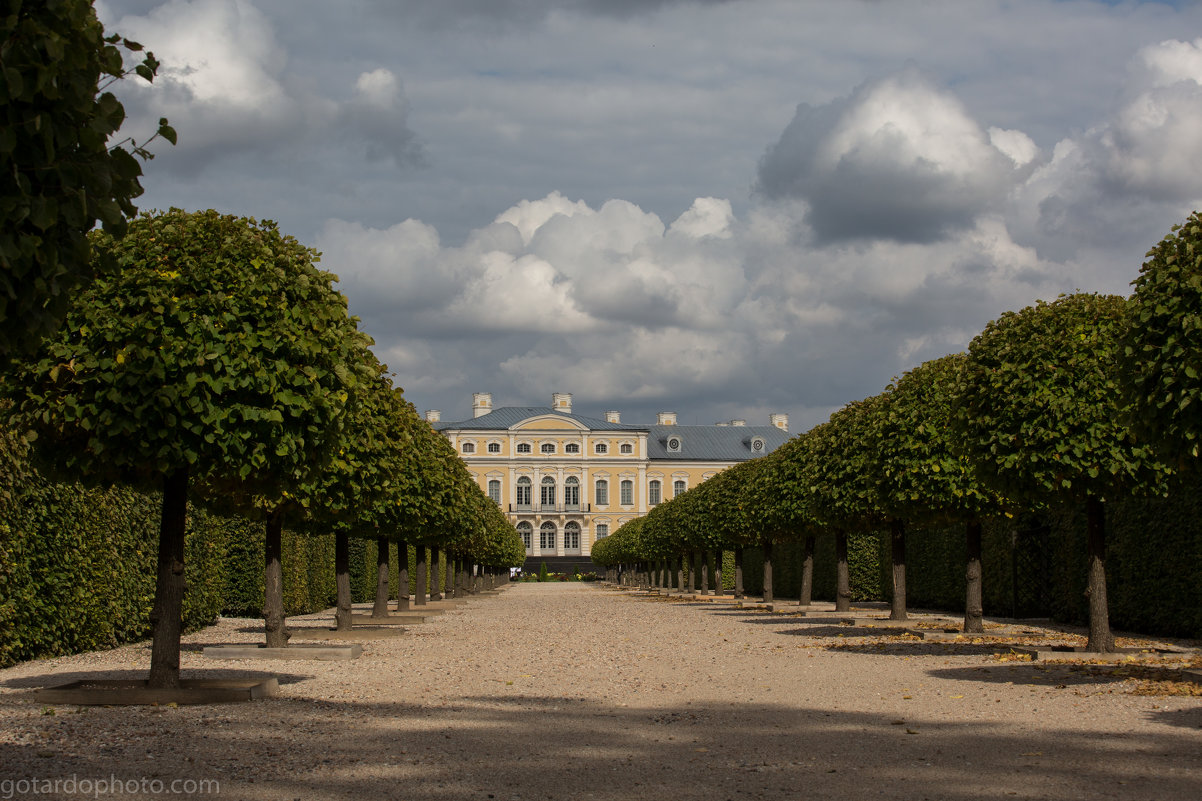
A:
1074	402
217	363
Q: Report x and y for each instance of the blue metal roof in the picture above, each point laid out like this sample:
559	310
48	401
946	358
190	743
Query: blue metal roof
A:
697	443
713	443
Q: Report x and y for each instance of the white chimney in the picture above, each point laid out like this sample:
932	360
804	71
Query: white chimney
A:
613	417
665	419
562	402
433	415
781	421
738	422
481	403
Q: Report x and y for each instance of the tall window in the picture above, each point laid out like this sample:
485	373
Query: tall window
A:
601	447
494	490
653	493
494	447
571	492
547	496
678	488
523	447
602	530
527	532
602	493
524	492
627	492
626	448
546	537
547	447
571	536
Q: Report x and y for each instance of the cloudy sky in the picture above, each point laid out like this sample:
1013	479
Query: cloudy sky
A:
723	208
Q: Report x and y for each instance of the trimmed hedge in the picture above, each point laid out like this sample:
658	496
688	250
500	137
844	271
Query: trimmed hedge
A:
77	565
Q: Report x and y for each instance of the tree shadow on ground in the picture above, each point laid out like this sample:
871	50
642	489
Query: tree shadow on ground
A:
66	677
515	745
1067	674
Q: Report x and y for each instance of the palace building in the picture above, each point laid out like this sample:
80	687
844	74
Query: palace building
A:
565	481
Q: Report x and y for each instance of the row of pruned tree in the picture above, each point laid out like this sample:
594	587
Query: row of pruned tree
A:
215	362
1077	401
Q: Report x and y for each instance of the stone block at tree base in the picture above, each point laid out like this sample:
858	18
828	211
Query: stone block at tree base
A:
356	633
395	619
134	692
318	652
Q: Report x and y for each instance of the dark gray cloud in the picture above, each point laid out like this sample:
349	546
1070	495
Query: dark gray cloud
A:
898	159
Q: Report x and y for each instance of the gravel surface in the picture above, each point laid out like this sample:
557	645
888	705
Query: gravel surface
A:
565	690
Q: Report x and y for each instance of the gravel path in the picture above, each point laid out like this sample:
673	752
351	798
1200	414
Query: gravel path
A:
559	691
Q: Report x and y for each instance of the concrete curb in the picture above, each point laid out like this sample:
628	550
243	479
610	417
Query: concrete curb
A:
318	652
134	692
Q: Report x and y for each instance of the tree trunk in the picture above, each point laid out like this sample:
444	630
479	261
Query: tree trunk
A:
273	582
679	565
452	567
738	571
768	572
806	593
436	574
974	611
419	591
166	617
380	608
693	569
842	574
718	572
1101	640
705	573
342	580
402	588
897	531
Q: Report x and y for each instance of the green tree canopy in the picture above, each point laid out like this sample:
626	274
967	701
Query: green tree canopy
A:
58	174
1040	413
1162	357
215	356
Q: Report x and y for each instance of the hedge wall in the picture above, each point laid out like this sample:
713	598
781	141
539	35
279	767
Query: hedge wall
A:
77	565
1033	565
1036	566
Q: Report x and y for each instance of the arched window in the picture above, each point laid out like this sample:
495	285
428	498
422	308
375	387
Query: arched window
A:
602	530
527	532
601	447
494	490
523	447
469	447
572	447
571	493
626	448
571	536
678	488
627	488
524	492
547	495
494	447
546	536
654	494
547	448
601	496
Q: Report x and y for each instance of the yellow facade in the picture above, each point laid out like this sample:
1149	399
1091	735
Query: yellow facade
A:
565	480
